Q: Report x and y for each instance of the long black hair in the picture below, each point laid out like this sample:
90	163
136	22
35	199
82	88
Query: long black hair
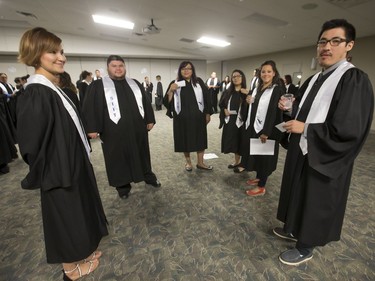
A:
276	79
193	78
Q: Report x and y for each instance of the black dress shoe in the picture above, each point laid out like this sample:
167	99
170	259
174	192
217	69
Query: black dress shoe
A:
124	191
155	183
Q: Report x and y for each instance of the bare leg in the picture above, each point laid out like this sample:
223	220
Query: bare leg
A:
237	159
188	160
200	155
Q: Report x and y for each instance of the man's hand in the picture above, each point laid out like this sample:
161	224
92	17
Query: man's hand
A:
150	126
294	126
93	135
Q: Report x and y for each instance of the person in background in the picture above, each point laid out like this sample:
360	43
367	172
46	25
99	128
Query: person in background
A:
290	87
64	81
332	117
225	84
86	79
255	79
262	116
213	84
117	109
148	86
53	143
10	95
230	105
188	102
98	75
159	93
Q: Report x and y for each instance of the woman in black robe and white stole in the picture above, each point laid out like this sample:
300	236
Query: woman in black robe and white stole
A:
230	105
188	103
263	115
53	143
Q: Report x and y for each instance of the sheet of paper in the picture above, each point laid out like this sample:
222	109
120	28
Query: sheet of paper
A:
232	112
207	156
259	148
280	127
181	83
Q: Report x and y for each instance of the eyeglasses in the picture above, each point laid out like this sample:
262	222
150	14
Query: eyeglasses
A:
236	76
186	68
334	42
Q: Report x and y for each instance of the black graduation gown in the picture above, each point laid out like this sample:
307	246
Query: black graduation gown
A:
315	187
159	93
125	144
73	218
189	126
263	164
8	150
231	136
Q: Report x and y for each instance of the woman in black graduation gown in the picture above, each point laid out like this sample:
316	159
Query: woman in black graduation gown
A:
263	115
53	143
188	103
230	105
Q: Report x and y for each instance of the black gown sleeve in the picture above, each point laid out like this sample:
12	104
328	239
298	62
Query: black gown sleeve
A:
169	105
93	108
334	144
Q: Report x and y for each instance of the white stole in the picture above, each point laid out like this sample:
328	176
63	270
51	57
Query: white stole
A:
112	101
198	95
239	121
261	113
40	79
322	102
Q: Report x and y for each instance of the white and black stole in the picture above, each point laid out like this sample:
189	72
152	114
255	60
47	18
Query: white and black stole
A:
112	101
322	102
68	104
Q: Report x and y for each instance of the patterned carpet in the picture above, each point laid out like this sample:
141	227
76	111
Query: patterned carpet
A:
197	226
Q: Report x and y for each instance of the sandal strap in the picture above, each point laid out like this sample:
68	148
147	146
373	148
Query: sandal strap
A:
71	271
90	267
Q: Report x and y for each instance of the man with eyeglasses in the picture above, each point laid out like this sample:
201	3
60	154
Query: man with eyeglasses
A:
332	117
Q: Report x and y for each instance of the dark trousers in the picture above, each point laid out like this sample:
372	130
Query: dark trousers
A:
214	101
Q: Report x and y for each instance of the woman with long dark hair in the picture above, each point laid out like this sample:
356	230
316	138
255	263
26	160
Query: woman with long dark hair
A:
230	119
261	118
188	103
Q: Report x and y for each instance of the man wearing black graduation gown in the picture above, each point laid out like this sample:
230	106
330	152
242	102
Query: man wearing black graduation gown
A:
122	115
333	114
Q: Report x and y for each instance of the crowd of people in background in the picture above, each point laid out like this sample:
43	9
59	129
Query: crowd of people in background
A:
254	117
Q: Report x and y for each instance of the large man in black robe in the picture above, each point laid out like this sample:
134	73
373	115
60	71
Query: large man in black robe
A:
333	115
116	108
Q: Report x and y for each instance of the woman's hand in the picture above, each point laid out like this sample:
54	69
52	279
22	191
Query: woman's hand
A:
263	138
244	91
249	99
226	112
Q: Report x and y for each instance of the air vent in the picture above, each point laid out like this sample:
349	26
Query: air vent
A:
347	3
265	20
27	14
186	40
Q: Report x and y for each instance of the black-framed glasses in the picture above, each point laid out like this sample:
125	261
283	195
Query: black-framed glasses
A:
236	76
335	41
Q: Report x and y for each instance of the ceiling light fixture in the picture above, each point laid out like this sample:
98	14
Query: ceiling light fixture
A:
113	22
212	41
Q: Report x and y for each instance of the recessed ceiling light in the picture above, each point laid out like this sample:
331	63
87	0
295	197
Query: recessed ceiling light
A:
212	41
113	22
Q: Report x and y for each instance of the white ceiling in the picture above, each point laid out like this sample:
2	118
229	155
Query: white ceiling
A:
252	26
